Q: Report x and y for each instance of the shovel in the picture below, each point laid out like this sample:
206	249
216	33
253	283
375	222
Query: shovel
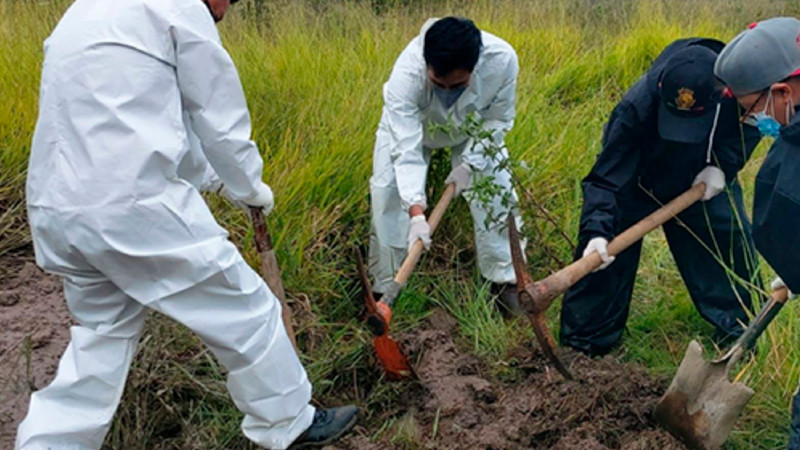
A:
270	270
536	296
388	351
701	405
379	313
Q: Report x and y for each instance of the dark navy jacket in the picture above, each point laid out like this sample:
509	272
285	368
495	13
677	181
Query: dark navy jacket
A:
776	207
633	152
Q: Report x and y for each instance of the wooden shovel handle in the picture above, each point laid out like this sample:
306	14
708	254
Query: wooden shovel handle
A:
433	221
558	283
270	270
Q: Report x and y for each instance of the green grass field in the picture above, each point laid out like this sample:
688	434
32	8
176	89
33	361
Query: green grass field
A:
312	71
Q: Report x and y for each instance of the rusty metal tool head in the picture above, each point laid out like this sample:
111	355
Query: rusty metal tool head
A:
379	316
379	313
701	405
528	292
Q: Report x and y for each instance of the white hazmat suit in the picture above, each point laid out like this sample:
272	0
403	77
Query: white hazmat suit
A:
137	98
404	143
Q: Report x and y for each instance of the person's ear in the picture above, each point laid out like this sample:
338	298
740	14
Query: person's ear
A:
782	90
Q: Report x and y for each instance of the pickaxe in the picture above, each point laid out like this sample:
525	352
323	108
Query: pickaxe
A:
536	296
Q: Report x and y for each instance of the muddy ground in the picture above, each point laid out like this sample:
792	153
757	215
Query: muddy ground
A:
34	330
456	404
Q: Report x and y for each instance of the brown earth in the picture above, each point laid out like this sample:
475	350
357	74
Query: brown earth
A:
34	330
458	406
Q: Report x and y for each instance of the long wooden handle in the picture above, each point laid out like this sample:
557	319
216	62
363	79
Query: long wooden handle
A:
558	283
655	220
270	270
433	221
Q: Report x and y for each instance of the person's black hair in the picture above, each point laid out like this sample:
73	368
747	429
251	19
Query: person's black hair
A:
452	43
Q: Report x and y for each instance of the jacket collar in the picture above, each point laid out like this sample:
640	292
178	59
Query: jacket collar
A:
791	132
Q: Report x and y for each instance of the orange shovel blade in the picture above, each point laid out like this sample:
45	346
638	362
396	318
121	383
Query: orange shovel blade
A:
392	358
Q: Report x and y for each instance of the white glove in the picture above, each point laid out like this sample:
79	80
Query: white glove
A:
714	179
778	283
599	245
419	230
461	175
263	199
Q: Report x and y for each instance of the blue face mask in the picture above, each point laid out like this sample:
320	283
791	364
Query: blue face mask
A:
448	97
766	123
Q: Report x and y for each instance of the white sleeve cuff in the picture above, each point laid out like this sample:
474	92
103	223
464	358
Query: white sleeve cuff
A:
417	200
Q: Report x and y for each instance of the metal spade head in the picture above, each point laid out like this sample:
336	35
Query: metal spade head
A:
379	315
701	405
392	358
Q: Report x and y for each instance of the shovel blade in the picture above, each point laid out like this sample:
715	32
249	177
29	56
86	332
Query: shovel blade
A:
392	358
701	406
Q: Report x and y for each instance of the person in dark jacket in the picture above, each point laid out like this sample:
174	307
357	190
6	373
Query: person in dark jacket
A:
672	130
761	66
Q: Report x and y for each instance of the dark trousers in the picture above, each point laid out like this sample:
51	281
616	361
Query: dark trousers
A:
595	310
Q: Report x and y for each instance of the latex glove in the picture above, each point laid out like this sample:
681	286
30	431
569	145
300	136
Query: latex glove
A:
461	175
778	283
714	179
599	245
419	230
263	199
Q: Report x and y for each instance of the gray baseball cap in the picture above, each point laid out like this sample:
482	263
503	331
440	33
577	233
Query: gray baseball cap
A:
764	54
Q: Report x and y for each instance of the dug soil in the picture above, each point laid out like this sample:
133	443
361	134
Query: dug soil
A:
456	404
34	330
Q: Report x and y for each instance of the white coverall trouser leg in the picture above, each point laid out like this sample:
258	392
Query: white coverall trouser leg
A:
231	310
389	225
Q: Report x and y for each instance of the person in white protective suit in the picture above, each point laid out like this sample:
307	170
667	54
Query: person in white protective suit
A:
140	108
452	69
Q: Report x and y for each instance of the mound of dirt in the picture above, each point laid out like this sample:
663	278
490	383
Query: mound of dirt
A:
460	406
35	330
455	404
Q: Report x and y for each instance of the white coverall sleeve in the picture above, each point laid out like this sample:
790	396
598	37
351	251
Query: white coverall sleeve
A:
403	118
499	116
194	167
213	96
211	181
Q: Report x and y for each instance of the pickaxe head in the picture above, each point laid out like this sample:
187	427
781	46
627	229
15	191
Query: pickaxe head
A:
528	291
379	315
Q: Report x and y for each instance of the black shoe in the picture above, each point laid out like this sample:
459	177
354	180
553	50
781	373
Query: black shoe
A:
507	298
328	426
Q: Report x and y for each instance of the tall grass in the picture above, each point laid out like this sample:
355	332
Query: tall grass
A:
313	72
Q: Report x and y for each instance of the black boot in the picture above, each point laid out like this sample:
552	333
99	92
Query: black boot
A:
328	426
507	298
